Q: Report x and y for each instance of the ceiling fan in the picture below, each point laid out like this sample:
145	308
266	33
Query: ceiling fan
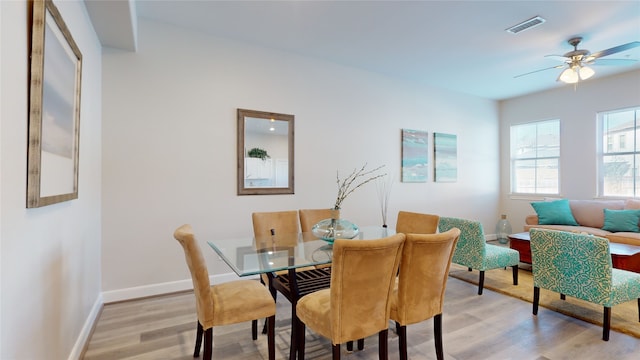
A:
576	61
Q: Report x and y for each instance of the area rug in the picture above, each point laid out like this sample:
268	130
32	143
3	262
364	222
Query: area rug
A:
624	317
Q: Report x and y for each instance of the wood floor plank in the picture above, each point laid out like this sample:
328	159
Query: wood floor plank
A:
490	326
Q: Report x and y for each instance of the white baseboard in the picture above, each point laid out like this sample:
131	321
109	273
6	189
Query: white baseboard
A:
83	337
162	288
137	292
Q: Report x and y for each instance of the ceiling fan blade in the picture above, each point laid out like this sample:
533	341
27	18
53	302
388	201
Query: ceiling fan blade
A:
557	57
532	72
615	49
608	62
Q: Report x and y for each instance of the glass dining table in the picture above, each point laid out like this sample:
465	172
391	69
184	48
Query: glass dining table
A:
297	258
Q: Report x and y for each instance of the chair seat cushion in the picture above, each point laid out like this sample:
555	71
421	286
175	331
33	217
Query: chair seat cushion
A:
498	256
314	310
256	303
625	286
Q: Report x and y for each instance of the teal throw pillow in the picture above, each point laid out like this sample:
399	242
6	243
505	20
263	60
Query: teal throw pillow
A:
555	212
621	220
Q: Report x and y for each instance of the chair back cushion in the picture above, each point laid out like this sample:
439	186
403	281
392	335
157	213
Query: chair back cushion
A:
577	265
283	223
470	249
424	269
199	274
310	217
362	279
416	223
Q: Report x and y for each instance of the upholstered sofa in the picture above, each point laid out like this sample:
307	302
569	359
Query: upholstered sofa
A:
589	217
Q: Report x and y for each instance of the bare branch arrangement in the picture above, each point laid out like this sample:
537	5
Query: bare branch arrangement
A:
384	192
350	183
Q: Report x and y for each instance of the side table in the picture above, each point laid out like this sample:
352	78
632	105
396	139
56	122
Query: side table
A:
521	243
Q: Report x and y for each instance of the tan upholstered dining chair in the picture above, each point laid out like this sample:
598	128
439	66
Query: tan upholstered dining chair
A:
283	224
422	280
416	223
229	303
310	217
357	304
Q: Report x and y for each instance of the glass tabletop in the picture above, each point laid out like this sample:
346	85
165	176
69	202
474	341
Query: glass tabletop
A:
251	256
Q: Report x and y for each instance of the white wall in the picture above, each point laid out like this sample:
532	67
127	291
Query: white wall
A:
577	109
169	147
50	256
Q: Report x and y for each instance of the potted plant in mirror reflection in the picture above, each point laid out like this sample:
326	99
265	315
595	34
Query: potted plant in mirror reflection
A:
335	227
258	153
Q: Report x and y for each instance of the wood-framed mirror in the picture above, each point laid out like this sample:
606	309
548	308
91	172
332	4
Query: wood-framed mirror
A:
265	153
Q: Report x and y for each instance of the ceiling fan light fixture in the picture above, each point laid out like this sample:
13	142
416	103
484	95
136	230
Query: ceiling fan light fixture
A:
569	76
586	72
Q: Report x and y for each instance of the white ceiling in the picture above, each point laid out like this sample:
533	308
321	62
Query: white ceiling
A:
458	45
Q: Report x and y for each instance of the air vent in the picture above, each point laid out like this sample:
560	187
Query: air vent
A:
533	22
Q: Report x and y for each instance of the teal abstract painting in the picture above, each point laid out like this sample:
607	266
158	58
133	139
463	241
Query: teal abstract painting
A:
445	153
414	155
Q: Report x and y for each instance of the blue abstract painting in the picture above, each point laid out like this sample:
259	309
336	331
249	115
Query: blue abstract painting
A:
445	153
415	156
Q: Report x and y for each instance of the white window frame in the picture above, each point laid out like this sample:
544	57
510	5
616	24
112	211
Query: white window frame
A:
608	145
535	157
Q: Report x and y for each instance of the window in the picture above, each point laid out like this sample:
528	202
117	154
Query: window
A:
619	159
535	157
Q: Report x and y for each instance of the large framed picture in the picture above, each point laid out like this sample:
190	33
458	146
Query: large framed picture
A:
414	155
445	153
54	109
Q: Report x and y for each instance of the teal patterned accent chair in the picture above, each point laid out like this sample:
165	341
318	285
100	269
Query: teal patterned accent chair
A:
473	251
579	265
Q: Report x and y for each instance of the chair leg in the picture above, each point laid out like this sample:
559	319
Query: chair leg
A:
349	345
254	328
515	274
271	337
563	297
437	336
360	344
481	283
402	342
274	294
383	344
468	269
208	343
536	299
606	323
196	351
335	350
638	310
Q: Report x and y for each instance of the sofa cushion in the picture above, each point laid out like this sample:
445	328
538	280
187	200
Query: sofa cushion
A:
621	220
632	204
629	238
575	229
555	212
590	212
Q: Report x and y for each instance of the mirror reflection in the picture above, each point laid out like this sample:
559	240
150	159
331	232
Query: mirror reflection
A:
265	153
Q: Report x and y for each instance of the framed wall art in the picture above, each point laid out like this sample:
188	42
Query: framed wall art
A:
414	155
54	109
445	153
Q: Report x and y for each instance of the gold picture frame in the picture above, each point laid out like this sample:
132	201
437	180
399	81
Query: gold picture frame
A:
54	109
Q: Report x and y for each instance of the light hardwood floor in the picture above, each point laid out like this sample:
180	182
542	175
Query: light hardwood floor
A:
491	326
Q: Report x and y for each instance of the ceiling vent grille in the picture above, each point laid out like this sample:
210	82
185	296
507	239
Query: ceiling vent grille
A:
528	24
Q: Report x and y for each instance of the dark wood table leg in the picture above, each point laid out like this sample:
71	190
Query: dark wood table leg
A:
293	288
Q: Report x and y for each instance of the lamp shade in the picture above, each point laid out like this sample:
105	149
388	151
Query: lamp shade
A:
586	72
569	76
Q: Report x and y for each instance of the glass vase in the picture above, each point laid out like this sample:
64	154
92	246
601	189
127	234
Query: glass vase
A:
503	230
335	228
